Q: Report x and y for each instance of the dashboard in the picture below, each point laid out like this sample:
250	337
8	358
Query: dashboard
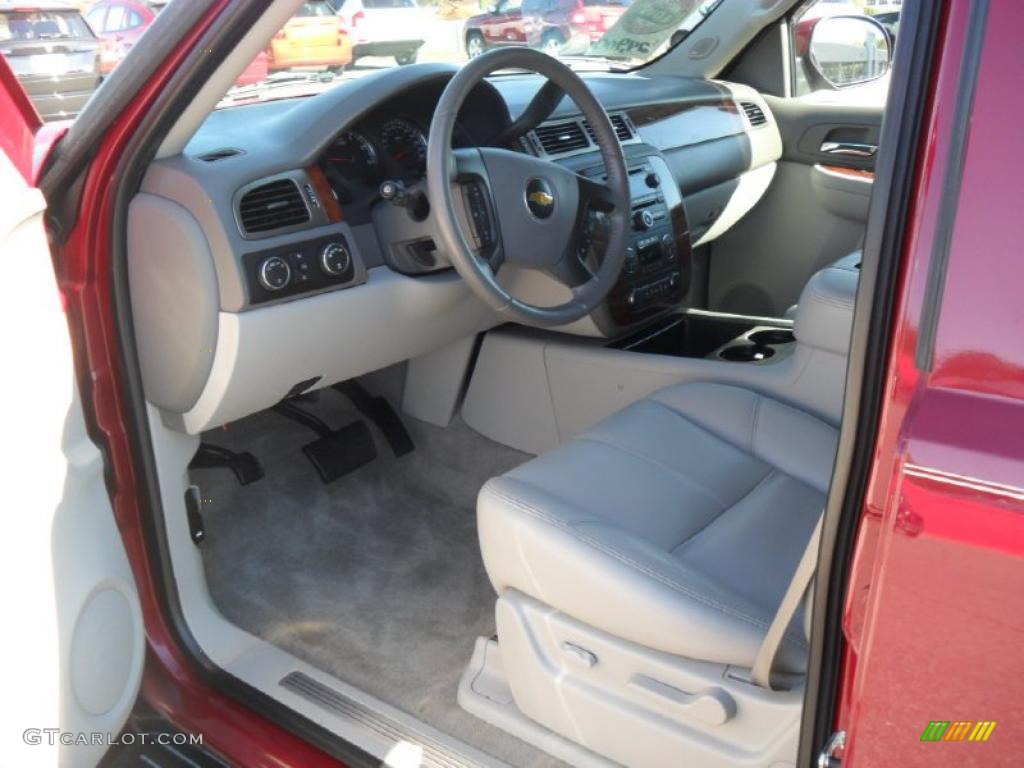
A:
263	260
390	143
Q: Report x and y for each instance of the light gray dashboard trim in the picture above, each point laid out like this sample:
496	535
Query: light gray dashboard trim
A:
174	297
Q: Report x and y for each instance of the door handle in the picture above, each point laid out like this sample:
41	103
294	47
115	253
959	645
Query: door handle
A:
849	148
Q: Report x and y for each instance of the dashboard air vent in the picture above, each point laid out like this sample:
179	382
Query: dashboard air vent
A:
274	205
558	138
220	154
622	129
754	113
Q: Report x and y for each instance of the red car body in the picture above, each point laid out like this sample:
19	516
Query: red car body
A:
120	23
932	623
535	22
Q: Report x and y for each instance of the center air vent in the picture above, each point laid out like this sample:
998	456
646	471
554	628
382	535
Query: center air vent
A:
275	205
559	138
754	113
622	129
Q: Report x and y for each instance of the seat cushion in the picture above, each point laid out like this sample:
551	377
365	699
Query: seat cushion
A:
677	523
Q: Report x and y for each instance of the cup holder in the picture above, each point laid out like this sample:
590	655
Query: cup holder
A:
746	353
779	336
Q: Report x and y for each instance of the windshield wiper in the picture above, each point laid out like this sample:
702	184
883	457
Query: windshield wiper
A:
609	63
255	91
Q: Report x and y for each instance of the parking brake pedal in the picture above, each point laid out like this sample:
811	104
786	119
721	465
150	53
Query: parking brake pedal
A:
337	451
379	411
245	466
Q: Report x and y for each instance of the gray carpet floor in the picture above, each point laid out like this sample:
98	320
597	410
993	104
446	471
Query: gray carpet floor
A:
375	578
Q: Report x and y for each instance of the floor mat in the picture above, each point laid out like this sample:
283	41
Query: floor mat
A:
376	577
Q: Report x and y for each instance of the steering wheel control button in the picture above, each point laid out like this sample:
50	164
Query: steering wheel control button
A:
652	180
480	219
643	220
540	198
335	259
275	273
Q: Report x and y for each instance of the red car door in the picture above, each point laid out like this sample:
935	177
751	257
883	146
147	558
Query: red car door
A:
505	27
934	618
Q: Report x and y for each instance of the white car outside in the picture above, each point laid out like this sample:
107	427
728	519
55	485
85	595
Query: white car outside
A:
384	28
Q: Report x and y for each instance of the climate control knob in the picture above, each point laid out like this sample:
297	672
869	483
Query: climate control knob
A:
335	259
643	220
275	273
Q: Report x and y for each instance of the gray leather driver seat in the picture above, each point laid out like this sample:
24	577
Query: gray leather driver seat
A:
675	524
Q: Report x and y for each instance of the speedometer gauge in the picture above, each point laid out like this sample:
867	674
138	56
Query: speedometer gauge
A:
355	157
405	144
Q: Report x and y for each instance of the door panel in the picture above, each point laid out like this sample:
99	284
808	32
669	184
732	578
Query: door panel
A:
72	652
815	210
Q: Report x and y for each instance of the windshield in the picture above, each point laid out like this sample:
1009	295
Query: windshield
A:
329	41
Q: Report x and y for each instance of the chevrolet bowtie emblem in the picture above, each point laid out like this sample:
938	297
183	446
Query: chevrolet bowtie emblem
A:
542	198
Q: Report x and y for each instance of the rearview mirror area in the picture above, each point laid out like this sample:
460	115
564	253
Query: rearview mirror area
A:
848	50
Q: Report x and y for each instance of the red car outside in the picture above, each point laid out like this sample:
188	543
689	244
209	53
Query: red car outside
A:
120	23
546	24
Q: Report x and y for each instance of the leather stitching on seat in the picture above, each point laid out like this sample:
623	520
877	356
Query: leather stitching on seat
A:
690	420
763	458
629	561
771	473
653	461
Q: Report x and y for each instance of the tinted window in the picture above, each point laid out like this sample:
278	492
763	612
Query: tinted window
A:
41	25
316	9
95	18
116	17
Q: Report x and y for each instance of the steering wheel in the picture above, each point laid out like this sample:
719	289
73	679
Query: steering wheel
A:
494	206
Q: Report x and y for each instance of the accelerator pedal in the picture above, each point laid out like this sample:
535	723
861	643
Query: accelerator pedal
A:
379	411
337	451
244	465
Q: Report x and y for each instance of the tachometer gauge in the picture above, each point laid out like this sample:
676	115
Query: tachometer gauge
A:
354	157
405	144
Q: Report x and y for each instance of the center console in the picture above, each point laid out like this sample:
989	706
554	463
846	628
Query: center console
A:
656	273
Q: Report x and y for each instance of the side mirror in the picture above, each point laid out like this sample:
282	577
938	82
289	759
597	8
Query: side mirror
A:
847	50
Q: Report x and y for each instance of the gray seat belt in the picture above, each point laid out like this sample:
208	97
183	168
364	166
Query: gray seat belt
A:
761	673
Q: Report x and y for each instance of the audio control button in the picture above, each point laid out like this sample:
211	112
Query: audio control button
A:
643	220
274	273
335	259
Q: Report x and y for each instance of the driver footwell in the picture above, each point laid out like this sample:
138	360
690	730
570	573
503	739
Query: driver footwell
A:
375	578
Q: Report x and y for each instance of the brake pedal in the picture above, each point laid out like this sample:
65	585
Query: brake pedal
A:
337	451
379	411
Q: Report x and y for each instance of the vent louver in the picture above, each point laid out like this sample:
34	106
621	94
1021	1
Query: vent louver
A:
754	113
622	129
220	154
559	138
270	206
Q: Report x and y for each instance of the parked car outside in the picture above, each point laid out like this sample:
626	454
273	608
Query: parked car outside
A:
384	28
832	8
120	23
891	21
546	24
53	53
316	36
